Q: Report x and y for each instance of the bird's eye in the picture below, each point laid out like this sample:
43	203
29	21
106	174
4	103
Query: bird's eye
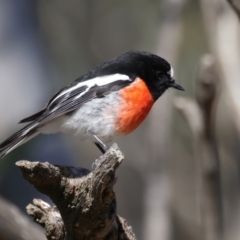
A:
159	74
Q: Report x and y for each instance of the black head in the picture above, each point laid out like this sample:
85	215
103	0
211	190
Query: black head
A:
154	70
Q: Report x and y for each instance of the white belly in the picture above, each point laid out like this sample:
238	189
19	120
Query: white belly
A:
98	115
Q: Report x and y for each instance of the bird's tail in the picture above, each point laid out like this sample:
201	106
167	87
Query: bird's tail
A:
17	139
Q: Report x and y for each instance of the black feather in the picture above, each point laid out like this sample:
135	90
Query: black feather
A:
32	117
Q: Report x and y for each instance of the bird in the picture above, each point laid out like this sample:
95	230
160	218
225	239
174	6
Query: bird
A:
106	102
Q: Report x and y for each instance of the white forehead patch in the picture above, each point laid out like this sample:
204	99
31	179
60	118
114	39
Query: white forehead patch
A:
171	72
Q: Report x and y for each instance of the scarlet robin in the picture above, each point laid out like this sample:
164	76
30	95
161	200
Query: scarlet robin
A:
108	101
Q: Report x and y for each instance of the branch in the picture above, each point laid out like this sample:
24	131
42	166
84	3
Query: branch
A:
47	217
200	115
85	201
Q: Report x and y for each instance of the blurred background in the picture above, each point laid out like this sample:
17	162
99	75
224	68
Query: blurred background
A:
45	45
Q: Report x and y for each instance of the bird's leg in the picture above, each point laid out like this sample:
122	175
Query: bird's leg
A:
101	146
99	143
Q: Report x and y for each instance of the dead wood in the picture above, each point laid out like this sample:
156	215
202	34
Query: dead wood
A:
85	200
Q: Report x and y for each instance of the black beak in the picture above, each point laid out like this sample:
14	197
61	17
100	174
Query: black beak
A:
176	86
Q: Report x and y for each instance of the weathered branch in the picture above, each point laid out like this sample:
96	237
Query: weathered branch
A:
47	217
200	116
85	201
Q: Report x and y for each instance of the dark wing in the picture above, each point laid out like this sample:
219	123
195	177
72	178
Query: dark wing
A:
53	102
69	99
32	117
68	104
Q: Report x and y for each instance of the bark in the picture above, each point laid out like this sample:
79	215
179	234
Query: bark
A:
200	116
85	201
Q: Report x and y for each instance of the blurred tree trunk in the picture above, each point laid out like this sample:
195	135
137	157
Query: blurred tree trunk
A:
200	115
14	225
157	218
236	6
222	28
223	35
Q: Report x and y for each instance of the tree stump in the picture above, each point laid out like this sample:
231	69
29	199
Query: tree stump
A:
85	200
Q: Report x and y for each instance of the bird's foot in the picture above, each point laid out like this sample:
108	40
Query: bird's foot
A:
99	143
